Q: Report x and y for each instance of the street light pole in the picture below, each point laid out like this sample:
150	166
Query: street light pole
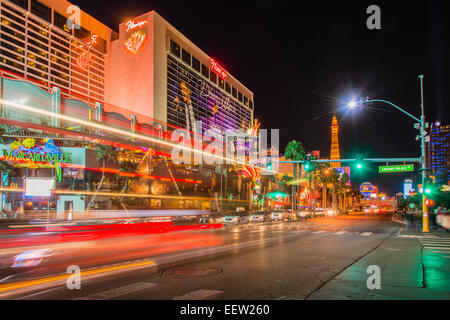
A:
425	222
425	227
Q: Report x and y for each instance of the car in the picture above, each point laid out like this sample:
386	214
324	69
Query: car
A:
277	216
257	217
303	214
205	220
229	220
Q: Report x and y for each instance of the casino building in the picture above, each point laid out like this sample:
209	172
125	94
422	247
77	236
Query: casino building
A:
147	78
147	70
159	73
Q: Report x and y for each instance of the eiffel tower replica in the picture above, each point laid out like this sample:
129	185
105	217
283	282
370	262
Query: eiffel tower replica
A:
335	154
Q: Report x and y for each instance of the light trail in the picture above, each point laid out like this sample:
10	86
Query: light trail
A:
31	283
122	132
115	194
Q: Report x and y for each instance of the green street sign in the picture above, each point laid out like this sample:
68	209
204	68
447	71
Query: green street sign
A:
396	168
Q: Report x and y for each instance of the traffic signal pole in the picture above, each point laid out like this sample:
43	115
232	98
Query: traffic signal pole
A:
425	221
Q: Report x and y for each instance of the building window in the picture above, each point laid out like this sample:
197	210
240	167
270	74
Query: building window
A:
21	3
205	71
186	56
82	34
221	83
60	21
42	11
213	77
245	101
101	45
227	87
234	92
174	48
251	104
196	64
239	96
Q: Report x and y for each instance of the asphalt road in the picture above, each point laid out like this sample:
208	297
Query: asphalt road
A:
285	260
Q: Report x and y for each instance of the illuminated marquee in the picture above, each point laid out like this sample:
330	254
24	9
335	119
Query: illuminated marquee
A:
133	25
218	69
136	39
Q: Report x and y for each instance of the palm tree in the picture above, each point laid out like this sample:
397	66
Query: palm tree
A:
130	167
5	169
296	152
103	153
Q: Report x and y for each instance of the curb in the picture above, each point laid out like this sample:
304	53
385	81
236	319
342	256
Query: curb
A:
399	221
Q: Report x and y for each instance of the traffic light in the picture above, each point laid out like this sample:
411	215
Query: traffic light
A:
269	166
428	188
359	162
308	165
429	202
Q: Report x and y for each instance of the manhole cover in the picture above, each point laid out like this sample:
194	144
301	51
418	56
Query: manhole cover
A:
192	272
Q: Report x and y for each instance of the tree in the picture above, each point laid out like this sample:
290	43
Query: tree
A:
129	167
5	170
295	152
323	177
103	153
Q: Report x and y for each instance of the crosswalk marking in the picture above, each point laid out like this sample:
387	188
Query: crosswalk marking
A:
340	232
319	232
366	234
121	291
436	245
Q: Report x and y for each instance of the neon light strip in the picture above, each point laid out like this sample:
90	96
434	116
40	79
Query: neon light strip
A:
119	131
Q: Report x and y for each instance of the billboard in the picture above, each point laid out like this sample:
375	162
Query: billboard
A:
39	187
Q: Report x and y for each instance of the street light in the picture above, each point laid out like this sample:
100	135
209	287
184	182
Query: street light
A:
352	104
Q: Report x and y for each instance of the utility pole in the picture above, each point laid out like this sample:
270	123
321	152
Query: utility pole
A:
425	226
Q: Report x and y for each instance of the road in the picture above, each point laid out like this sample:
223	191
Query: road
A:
284	260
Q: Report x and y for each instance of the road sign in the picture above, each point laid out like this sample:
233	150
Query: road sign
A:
396	168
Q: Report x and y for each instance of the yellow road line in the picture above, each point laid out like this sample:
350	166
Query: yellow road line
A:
30	283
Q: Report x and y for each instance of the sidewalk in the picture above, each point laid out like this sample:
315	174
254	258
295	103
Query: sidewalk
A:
407	273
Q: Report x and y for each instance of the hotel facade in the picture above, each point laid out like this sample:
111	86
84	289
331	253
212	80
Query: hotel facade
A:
147	79
147	71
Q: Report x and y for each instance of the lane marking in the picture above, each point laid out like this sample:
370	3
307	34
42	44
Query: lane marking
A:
340	233
366	234
24	284
436	247
201	294
117	292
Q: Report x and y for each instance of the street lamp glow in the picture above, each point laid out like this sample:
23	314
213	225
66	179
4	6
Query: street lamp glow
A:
352	104
359	165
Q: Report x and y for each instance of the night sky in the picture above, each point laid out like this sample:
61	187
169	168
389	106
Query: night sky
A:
304	62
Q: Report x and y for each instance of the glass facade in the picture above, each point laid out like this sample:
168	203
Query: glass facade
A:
191	96
439	153
30	47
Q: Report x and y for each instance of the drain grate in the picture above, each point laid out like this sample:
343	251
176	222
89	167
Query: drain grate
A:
190	272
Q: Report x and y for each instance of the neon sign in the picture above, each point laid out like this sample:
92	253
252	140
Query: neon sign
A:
93	39
136	39
133	25
27	150
218	69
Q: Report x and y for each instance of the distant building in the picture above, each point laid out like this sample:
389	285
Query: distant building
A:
439	151
335	154
407	188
